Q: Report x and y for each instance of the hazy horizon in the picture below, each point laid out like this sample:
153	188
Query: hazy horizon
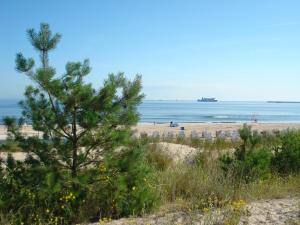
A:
233	50
189	100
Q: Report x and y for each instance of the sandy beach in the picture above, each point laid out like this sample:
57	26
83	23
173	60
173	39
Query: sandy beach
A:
165	128
210	127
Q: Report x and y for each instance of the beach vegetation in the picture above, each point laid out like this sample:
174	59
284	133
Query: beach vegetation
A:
242	175
85	166
128	186
157	158
286	158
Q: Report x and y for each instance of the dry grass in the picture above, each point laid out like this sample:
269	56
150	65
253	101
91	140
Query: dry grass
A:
156	157
192	183
199	187
271	188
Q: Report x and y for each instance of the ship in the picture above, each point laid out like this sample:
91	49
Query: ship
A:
282	102
207	100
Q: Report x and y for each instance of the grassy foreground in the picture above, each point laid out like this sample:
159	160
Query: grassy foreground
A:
222	176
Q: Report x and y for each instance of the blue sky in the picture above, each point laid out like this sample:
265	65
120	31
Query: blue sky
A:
231	50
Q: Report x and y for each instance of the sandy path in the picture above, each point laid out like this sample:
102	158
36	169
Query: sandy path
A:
268	212
273	212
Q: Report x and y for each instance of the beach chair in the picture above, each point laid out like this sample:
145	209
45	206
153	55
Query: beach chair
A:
235	136
220	134
155	134
181	134
227	133
263	133
276	132
284	131
270	133
207	135
168	136
194	134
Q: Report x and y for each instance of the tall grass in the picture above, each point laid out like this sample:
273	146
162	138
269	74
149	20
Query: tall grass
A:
195	184
195	187
204	184
156	157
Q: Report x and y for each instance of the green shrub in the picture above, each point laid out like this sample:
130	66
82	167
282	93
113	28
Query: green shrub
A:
287	158
248	162
126	185
254	165
32	193
35	194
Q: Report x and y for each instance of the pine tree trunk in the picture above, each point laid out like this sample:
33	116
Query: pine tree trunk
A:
75	145
44	59
74	164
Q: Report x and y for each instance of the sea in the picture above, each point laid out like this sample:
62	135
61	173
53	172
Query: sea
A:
183	111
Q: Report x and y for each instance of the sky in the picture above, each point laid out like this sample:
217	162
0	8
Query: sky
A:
184	49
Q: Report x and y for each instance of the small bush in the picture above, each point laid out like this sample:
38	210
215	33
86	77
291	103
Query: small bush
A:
35	194
126	185
254	165
287	159
248	162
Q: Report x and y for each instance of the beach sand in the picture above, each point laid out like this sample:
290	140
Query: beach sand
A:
210	127
183	152
161	129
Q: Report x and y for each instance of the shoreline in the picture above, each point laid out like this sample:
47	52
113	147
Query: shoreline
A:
220	122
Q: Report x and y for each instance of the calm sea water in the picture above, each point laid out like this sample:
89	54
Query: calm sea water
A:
193	111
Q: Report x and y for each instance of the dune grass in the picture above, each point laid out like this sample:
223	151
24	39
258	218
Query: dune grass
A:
204	185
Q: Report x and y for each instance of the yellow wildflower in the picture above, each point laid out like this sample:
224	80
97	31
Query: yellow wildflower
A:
205	210
238	204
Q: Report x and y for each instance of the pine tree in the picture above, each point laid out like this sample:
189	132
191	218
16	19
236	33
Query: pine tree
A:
79	123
